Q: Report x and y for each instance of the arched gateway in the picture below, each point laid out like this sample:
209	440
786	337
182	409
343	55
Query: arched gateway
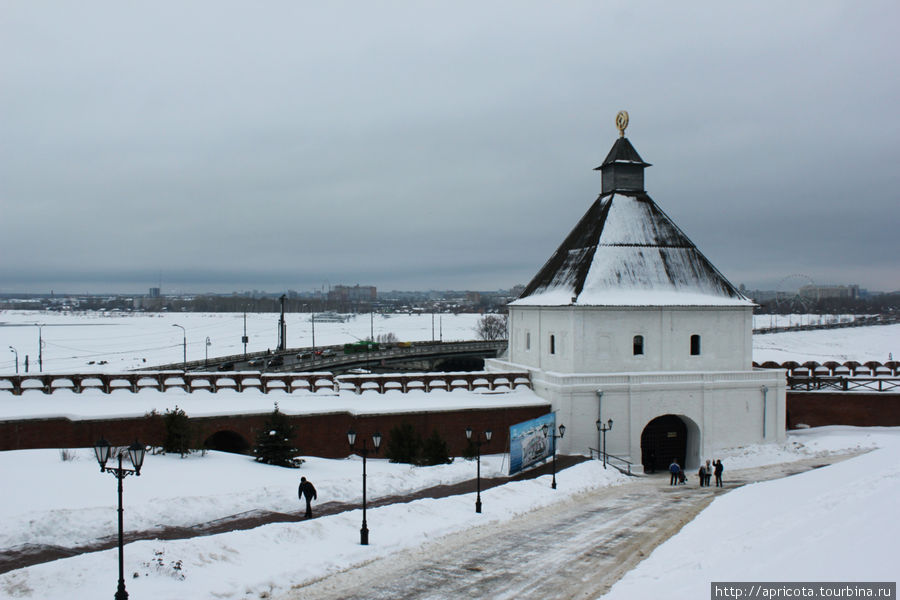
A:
663	439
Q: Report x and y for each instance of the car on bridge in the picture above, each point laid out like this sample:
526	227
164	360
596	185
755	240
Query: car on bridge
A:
277	361
227	366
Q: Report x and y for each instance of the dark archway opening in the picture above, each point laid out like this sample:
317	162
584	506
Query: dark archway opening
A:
460	363
663	439
227	441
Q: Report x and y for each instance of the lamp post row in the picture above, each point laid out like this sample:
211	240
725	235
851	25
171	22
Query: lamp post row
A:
40	351
136	453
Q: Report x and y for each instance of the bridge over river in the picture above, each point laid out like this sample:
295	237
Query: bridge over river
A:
417	356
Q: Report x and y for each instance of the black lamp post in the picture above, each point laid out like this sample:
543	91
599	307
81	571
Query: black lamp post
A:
548	433
487	438
206	358
364	452
13	350
603	428
136	455
184	345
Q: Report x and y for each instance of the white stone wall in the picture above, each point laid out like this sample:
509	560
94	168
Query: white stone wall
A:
601	339
721	409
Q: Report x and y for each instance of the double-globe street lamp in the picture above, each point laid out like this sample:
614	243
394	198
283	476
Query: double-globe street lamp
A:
136	454
184	345
478	442
603	428
364	452
552	435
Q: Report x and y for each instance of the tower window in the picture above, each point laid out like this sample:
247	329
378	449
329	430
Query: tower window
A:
695	345
528	340
638	345
552	344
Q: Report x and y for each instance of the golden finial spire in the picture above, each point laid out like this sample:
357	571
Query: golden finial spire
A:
622	122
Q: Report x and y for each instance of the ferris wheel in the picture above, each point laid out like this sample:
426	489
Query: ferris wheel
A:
794	294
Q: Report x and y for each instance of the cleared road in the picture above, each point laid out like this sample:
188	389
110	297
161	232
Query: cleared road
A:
575	549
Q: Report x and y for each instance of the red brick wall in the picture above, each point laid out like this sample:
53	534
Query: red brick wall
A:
318	435
863	409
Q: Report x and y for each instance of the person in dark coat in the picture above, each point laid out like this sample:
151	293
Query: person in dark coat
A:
701	474
674	468
718	471
308	491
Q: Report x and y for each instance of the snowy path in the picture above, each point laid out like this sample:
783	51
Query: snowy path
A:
574	549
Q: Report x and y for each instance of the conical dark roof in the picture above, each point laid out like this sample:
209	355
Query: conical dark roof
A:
626	251
622	152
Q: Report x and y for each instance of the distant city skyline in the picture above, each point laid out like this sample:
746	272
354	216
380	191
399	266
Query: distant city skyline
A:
417	146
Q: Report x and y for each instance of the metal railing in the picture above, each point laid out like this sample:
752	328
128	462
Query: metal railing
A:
617	462
338	357
843	384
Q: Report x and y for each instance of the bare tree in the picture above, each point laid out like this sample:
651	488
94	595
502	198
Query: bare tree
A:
492	327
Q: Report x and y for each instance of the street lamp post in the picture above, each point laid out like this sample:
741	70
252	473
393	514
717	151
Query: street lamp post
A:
136	455
13	350
40	349
603	428
552	435
487	438
206	359
244	338
184	345
364	452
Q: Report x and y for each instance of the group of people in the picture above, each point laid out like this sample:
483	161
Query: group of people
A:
707	470
704	473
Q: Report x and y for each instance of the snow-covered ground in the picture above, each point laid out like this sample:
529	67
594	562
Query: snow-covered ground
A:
80	342
834	523
878	342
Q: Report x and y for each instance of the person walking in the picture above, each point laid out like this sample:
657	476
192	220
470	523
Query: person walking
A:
307	491
718	471
701	474
709	472
674	468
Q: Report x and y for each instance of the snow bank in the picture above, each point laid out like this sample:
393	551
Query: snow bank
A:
830	524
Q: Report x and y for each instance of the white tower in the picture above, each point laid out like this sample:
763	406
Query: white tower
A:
629	321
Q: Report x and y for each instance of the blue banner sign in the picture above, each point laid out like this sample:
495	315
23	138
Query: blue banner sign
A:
527	443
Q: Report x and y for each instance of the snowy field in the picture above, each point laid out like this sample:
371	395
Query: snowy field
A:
878	342
834	523
80	342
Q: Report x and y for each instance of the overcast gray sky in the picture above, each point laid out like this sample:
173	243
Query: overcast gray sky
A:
228	145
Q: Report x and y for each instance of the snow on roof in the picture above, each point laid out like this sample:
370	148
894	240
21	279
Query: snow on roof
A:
626	251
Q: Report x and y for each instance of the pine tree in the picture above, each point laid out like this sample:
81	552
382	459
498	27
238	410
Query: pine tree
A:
434	451
403	444
275	442
179	432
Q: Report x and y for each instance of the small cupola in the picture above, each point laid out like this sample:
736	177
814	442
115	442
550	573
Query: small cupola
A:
623	169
